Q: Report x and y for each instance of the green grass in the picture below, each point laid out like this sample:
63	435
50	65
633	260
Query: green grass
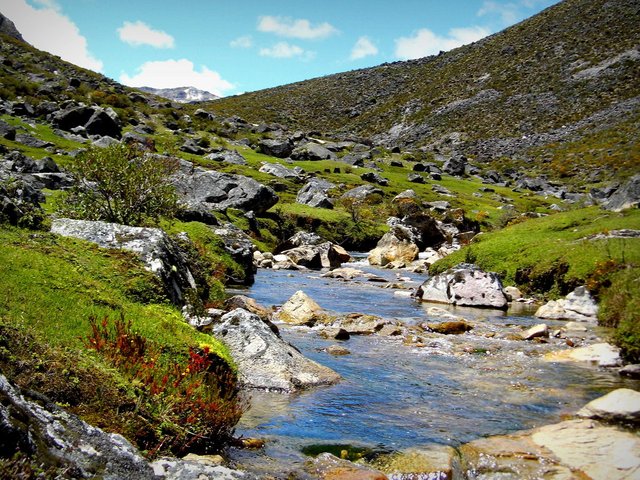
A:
529	252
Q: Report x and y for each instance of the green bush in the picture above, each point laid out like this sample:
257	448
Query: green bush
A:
121	184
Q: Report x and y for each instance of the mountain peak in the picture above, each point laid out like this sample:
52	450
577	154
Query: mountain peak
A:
182	94
8	28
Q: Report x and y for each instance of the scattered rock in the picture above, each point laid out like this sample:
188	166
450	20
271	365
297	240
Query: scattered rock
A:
194	467
513	293
337	350
454	327
280	148
266	361
363	193
315	194
437	462
359	324
537	331
631	371
334	333
312	151
345	273
329	467
374	178
627	196
395	245
621	405
239	245
231	157
280	171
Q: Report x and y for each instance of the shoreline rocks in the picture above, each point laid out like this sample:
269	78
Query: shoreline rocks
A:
578	306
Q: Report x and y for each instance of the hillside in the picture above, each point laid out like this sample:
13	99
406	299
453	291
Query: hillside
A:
555	93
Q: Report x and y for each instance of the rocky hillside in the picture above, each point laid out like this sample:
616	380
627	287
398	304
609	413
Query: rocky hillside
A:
559	90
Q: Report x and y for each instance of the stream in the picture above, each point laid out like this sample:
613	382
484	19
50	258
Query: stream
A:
450	390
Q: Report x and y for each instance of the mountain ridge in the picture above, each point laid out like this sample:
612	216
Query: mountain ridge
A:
181	94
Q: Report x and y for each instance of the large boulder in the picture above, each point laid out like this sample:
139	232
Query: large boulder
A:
324	255
157	251
363	193
210	190
577	306
396	245
621	405
266	361
240	247
232	157
301	309
315	194
55	438
600	354
312	151
465	285
627	196
94	120
280	148
455	166
280	171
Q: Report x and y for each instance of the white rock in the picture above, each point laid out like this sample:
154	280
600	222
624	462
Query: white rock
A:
601	354
621	405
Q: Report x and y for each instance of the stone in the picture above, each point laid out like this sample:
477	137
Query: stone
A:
374	178
280	148
577	306
600	354
239	245
155	249
390	330
31	141
575	327
455	166
334	333
453	327
628	196
513	293
104	122
395	245
58	439
266	361
415	178
464	285
621	405
312	151
431	462
210	190
7	131
363	193
250	305
329	467
324	255
280	171
537	331
232	157
345	273
300	309
631	371
194	467
315	194
337	350
359	324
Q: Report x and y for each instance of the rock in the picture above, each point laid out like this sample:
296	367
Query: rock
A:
631	371
312	151
104	122
104	142
157	251
240	247
415	178
512	293
337	350
7	131
345	273
627	196
390	330
601	354
363	193
575	327
194	467
395	245
266	361
232	157
248	304
315	256
356	159
374	178
335	333
329	467
621	405
55	438
280	148
433	462
300	309
454	327
315	194
191	146
566	450
465	285
299	239
577	306
359	324
210	190
308	256
537	331
7	27
455	166
280	171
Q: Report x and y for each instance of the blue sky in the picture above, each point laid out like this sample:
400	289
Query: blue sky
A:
229	47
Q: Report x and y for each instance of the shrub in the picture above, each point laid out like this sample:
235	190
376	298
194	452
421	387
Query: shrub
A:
198	403
121	184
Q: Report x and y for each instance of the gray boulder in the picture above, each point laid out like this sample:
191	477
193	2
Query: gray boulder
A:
7	131
621	405
374	178
95	120
627	196
324	255
396	247
191	468
315	194
280	171
455	166
192	147
232	157
240	247
280	148
157	251
362	193
312	151
266	361
207	190
465	285
8	28
577	306
61	440
357	159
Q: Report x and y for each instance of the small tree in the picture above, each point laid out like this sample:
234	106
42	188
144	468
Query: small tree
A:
121	184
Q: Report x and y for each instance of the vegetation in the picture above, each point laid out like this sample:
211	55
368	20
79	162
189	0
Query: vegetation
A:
121	184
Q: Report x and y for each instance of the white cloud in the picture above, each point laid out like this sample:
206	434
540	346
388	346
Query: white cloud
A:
37	24
363	48
242	42
300	28
139	33
177	73
424	42
508	12
285	50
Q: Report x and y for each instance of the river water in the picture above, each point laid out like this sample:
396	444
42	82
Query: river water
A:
451	390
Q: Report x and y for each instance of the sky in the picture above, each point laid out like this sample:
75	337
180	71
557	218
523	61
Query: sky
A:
229	47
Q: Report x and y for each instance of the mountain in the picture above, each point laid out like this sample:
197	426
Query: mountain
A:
554	93
8	28
181	94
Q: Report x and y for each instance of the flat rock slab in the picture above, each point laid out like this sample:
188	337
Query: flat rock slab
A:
621	405
600	354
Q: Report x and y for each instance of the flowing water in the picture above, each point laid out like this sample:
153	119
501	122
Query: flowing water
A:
393	396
